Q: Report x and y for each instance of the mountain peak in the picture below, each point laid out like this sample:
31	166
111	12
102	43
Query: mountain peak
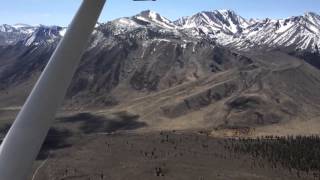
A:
149	14
219	20
6	28
226	11
21	25
154	18
309	13
313	18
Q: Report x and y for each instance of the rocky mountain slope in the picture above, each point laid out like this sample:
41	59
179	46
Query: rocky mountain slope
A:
211	70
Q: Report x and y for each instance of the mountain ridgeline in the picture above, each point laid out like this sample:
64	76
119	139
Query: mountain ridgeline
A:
213	69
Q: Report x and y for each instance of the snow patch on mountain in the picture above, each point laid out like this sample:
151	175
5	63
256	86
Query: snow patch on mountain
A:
63	32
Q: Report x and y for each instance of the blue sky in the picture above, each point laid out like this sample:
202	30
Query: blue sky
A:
60	12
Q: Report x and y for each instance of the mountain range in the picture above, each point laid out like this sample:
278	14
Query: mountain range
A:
214	69
224	26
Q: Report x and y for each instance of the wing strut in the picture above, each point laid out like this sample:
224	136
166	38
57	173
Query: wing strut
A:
24	139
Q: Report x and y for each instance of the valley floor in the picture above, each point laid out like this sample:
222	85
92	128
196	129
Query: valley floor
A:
118	146
174	155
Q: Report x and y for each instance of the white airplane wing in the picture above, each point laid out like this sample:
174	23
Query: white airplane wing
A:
23	141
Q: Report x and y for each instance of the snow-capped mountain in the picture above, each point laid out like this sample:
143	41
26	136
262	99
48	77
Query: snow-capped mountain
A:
225	21
230	29
153	18
299	32
225	27
6	28
44	34
145	19
10	35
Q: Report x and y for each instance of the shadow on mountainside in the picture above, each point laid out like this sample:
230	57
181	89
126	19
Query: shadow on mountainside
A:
90	123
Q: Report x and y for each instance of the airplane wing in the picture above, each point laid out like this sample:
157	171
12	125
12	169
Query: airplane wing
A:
24	139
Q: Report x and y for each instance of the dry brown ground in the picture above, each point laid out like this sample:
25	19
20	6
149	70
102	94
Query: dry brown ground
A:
135	156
